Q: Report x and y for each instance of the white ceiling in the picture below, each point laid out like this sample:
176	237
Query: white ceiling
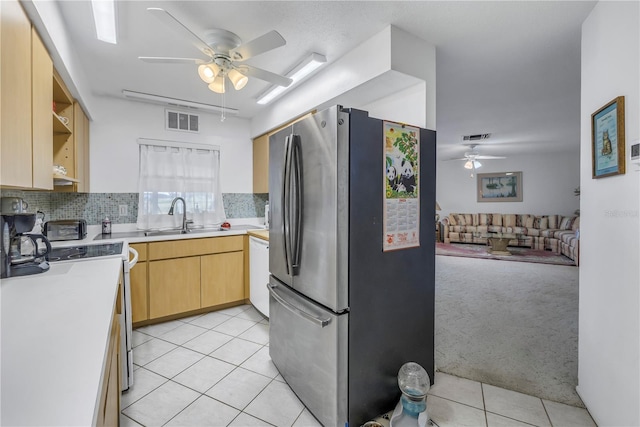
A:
507	68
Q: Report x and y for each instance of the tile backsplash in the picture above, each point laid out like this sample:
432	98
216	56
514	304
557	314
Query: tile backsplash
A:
93	207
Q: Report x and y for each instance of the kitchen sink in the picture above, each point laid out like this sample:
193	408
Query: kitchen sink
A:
175	232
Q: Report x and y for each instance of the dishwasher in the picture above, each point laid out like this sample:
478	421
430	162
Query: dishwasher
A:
259	274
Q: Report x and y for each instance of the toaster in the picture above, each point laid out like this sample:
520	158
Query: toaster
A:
65	229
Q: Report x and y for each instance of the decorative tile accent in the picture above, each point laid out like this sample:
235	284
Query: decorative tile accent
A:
93	207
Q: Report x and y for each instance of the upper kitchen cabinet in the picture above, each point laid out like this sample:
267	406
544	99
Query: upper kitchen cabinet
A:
70	140
26	86
261	164
42	121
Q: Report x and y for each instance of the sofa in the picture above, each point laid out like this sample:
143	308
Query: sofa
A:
557	233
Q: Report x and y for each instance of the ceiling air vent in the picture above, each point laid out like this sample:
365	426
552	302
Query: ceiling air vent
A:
180	121
476	137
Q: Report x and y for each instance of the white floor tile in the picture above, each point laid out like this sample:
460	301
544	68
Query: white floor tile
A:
150	350
251	314
568	416
239	388
138	338
279	378
276	404
162	404
174	362
210	320
182	333
246	420
494	420
204	374
144	382
233	311
207	342
205	412
159	328
261	363
234	326
190	318
306	419
458	389
258	333
515	405
128	422
447	413
236	351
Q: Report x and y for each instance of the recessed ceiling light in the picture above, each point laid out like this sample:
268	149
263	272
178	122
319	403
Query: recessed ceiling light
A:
104	16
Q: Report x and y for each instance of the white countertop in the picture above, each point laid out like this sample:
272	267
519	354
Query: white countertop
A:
55	332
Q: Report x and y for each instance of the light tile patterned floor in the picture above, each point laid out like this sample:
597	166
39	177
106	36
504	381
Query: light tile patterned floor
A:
214	370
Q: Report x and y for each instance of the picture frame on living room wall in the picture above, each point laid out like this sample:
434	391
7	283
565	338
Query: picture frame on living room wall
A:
500	187
607	140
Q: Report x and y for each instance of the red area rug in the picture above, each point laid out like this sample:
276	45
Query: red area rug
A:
471	250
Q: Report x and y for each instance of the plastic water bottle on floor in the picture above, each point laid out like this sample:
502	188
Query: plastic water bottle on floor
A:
414	384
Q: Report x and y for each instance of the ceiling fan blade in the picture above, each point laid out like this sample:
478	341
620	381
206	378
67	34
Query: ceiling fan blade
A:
265	75
457	158
490	157
255	47
166	60
177	26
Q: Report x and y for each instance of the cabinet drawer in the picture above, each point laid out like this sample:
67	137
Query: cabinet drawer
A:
142	250
193	247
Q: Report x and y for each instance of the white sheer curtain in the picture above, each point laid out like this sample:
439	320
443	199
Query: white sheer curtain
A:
167	172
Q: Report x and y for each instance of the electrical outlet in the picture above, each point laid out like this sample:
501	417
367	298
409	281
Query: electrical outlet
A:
123	210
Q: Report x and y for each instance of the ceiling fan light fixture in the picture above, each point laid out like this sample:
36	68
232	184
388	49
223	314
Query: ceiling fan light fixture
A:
239	81
468	164
208	72
476	164
298	73
217	85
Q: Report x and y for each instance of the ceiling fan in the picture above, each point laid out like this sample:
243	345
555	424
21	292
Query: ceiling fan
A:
471	158
225	52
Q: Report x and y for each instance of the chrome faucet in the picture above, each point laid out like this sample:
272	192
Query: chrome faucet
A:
185	229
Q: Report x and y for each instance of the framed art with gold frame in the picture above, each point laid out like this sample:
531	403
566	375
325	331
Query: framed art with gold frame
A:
607	139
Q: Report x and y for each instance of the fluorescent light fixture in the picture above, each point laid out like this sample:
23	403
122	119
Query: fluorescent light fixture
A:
297	74
174	102
104	15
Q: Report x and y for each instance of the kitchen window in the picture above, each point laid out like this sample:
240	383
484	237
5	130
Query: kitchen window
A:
170	170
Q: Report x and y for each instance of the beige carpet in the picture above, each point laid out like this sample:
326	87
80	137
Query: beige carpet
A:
509	324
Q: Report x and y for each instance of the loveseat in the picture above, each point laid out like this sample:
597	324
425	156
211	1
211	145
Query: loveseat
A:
557	233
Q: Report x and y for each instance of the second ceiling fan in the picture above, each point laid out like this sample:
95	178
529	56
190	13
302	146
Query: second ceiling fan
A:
472	157
225	52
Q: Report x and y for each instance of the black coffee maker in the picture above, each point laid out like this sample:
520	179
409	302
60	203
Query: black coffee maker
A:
21	252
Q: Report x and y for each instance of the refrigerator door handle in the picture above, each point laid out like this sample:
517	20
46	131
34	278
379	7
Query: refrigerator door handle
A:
286	204
318	321
297	193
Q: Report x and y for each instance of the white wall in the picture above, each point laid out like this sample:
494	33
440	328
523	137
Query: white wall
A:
548	181
406	106
609	320
119	123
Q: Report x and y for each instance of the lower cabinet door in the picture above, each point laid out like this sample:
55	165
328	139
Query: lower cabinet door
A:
139	300
174	286
222	278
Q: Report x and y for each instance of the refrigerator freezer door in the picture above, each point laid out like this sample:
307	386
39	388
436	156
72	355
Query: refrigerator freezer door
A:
308	345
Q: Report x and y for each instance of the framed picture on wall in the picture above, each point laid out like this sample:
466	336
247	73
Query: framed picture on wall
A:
500	187
607	139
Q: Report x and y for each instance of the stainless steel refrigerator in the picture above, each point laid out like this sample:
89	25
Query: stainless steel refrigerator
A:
344	314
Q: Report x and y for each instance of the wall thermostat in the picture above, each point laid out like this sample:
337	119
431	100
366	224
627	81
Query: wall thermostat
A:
635	152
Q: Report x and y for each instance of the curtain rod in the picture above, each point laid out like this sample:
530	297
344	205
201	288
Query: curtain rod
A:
178	144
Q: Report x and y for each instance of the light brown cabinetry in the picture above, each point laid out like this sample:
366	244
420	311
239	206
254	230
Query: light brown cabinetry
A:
41	120
187	275
174	286
222	278
25	83
139	294
109	404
